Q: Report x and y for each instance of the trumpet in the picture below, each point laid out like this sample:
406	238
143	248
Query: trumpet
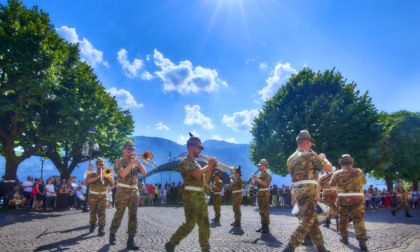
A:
107	172
146	157
220	166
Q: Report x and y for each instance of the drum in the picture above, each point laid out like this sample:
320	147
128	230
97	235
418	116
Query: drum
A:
322	212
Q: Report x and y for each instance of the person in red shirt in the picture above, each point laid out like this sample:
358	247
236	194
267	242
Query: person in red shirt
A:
151	191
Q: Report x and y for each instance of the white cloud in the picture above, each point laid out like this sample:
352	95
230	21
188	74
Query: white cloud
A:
240	121
185	78
229	140
146	76
262	66
194	116
87	52
130	69
279	76
124	98
183	139
161	126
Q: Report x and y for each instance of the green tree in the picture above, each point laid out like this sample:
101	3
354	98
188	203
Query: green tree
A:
83	103
31	57
338	117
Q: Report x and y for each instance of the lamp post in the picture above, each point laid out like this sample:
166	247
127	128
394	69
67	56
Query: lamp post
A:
42	166
92	132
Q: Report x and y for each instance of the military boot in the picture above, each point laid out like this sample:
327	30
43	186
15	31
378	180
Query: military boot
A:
131	245
408	215
327	224
321	248
169	247
362	245
344	239
265	229
236	223
289	248
101	231
92	227
307	241
216	219
112	240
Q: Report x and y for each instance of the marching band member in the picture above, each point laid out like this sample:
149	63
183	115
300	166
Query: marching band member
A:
217	187
349	182
303	168
237	196
127	169
98	197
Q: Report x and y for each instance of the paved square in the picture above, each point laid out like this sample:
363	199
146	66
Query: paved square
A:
58	231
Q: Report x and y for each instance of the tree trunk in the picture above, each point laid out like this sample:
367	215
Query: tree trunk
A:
389	183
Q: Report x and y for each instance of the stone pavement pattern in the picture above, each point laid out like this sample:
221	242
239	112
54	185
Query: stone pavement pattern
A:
57	231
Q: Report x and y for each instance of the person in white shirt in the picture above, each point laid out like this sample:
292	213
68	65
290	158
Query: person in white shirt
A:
50	194
27	186
244	196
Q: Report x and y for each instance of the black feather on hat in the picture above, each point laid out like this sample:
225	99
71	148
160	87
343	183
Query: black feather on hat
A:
238	170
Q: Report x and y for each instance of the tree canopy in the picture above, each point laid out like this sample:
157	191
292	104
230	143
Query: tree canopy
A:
337	116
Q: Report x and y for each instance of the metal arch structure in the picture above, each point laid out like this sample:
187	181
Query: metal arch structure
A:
174	166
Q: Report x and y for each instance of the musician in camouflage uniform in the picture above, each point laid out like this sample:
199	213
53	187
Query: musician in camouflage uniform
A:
303	167
237	196
98	196
329	196
402	199
127	169
263	195
195	205
217	187
349	182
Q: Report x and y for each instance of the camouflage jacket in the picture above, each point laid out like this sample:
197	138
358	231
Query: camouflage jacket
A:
348	181
218	185
97	186
132	176
303	165
400	189
237	185
187	165
266	177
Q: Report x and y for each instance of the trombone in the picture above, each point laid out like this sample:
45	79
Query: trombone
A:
106	172
146	158
220	166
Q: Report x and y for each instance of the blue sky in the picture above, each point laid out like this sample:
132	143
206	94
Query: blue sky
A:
208	66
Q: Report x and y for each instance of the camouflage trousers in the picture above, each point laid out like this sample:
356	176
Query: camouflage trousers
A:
236	203
402	202
217	201
305	196
330	199
97	206
356	206
196	212
125	197
263	205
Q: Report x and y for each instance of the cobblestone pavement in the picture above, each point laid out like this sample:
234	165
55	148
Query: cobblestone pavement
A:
24	230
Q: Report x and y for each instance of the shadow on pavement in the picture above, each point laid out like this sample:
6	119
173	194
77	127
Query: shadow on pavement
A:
16	216
268	240
57	246
236	231
215	224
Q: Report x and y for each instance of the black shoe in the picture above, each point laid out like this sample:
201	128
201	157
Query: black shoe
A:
321	248
101	231
289	248
362	245
265	229
327	224
92	227
237	223
307	241
344	239
408	215
169	247
112	240
131	245
393	212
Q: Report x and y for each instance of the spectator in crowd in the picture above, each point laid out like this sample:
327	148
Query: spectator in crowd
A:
80	199
388	201
151	192
228	194
27	188
415	198
72	188
40	188
174	193
34	192
287	197
252	196
156	195
382	197
84	188
270	200
142	192
49	194
244	196
159	188
281	196
16	198
164	195
63	185
274	195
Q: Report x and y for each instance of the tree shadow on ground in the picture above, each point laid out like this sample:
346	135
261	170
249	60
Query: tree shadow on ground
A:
11	217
